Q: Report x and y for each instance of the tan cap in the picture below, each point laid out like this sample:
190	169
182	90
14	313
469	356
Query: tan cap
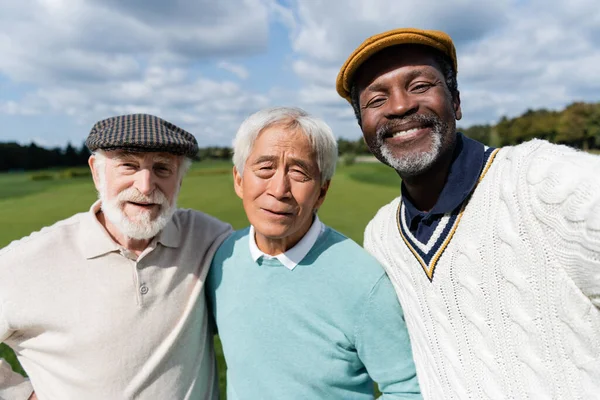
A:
374	44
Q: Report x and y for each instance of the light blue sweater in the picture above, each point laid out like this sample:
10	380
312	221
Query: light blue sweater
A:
324	330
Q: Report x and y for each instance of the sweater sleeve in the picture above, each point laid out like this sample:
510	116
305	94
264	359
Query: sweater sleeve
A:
12	385
383	344
564	192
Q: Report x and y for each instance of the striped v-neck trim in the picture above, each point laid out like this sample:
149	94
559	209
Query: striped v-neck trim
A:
429	253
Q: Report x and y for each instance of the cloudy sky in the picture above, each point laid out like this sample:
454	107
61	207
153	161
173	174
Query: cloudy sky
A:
206	65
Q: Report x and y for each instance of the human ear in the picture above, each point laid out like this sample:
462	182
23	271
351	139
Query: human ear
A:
237	183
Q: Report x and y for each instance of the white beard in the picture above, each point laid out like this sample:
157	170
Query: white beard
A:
415	163
142	226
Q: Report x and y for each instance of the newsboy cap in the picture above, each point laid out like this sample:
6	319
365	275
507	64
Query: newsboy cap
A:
141	133
436	39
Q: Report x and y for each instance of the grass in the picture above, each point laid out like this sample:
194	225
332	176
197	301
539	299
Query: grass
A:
356	193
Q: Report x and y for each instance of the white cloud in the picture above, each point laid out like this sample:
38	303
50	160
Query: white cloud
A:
238	70
89	59
512	55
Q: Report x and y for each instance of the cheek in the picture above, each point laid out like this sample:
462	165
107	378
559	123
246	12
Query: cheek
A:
253	187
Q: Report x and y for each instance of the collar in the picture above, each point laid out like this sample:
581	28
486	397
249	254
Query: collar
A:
463	174
291	258
95	240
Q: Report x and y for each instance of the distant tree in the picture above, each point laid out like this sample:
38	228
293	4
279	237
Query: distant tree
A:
83	154
481	133
71	157
578	125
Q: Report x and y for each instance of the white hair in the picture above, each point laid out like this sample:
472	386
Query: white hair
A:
319	135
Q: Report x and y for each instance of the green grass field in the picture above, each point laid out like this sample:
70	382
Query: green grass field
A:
356	193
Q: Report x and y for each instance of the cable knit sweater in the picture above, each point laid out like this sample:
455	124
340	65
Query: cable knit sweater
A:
511	307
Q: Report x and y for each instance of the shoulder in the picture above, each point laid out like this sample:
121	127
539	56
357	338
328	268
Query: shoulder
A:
232	245
47	239
186	217
553	173
538	157
352	260
382	219
385	212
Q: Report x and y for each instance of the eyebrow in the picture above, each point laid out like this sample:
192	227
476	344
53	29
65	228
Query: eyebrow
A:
415	73
296	161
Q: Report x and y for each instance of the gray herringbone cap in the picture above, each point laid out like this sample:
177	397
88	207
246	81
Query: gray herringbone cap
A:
141	132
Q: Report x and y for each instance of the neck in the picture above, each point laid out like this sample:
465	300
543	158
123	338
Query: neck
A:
424	189
136	246
275	246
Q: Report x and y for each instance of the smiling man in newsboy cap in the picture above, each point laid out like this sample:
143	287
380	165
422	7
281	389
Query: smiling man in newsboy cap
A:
494	253
109	304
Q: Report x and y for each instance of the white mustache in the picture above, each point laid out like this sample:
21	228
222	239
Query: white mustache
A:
133	195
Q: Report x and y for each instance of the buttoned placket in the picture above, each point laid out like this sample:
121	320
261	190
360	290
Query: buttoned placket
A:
142	288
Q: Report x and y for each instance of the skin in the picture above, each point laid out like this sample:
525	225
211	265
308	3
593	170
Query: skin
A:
395	85
280	188
145	172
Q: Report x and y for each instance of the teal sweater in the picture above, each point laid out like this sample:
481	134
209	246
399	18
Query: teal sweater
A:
324	330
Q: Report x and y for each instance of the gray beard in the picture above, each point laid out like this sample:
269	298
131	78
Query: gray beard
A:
415	163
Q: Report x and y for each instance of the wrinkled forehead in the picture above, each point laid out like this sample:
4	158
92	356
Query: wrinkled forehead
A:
281	137
154	157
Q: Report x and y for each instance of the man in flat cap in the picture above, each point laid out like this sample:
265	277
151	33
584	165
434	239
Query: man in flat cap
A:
494	253
109	304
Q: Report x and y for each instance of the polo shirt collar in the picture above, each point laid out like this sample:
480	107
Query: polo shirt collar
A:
170	236
95	240
463	174
291	258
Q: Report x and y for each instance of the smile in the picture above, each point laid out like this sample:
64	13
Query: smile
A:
406	132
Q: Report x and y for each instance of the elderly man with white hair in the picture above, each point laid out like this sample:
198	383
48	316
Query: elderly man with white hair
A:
302	311
109	304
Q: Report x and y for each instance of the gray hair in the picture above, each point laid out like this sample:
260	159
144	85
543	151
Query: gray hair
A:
319	136
100	161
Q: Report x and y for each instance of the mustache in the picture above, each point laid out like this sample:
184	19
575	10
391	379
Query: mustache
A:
133	195
397	124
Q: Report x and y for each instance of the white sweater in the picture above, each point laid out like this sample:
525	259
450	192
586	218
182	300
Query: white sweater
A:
512	310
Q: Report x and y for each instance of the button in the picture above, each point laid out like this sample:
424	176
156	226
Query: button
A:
143	289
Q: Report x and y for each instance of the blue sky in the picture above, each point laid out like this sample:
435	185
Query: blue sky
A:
206	65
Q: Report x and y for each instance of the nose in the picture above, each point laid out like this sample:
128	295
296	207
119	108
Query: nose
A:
401	104
144	182
279	185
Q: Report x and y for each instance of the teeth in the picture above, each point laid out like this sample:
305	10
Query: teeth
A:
402	133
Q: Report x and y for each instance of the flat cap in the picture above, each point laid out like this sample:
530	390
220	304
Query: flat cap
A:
142	133
374	44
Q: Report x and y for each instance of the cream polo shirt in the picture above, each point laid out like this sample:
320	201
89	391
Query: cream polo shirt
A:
89	321
291	258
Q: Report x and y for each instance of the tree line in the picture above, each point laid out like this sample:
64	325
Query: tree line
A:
578	125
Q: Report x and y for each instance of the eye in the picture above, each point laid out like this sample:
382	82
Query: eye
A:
375	102
263	170
421	87
128	166
163	170
299	175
